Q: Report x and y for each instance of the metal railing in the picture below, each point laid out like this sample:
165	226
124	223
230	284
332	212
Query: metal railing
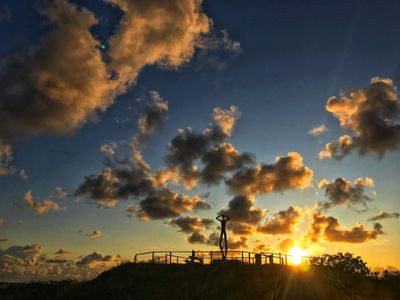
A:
208	257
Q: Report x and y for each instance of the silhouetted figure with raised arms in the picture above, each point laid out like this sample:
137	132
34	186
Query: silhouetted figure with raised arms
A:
223	219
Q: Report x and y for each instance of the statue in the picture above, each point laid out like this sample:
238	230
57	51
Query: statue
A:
223	219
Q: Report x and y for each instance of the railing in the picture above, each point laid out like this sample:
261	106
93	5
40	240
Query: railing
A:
208	257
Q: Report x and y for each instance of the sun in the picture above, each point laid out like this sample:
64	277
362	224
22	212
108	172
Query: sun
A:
297	255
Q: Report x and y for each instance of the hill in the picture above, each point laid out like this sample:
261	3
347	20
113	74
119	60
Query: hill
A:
226	281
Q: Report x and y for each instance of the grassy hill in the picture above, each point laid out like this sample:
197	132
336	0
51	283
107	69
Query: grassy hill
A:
227	281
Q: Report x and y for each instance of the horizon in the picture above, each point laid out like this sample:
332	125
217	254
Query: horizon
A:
128	126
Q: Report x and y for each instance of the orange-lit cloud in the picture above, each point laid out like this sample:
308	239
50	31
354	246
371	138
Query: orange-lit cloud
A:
286	245
283	222
332	231
318	130
371	116
95	234
41	93
40	207
286	173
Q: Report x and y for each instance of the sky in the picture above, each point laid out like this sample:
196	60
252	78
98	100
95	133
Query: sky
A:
128	126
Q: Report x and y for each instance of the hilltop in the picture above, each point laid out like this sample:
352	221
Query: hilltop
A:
226	281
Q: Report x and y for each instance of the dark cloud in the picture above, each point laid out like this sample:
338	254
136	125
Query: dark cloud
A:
120	180
332	231
188	146
371	116
216	50
237	244
240	228
152	117
165	204
197	238
241	210
190	224
283	222
344	193
223	159
286	173
384	215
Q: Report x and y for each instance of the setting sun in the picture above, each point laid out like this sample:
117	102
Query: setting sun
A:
297	255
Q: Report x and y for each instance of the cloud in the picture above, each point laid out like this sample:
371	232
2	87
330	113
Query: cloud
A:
344	193
190	224
40	207
286	245
260	247
197	238
42	94
283	222
95	234
241	210
223	159
371	116
332	231
318	130
188	146
119	180
62	252
237	244
27	263
216	50
384	215
157	32
286	173
6	157
240	228
59	193
152	117
3	240
165	204
96	259
339	149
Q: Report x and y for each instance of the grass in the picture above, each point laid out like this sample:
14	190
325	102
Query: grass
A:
225	281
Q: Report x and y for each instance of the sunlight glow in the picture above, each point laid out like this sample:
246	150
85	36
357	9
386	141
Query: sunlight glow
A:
296	255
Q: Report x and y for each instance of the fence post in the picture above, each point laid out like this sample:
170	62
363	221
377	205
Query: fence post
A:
170	257
242	257
280	258
135	258
249	258
285	260
152	258
166	258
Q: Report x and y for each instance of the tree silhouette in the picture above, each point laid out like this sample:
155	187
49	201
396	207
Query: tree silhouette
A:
343	262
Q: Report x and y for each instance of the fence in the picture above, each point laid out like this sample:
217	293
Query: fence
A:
208	257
